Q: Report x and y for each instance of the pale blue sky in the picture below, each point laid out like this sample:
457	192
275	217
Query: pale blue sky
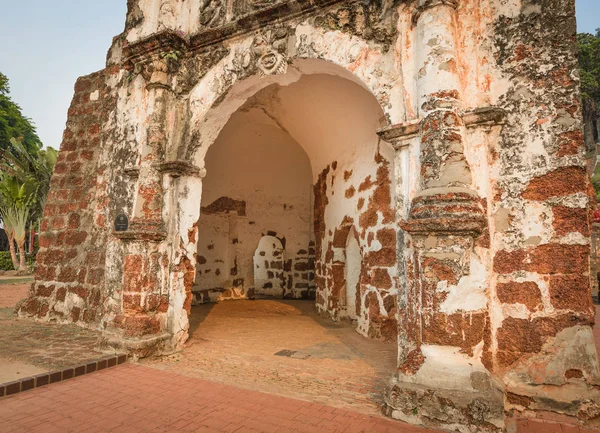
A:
47	44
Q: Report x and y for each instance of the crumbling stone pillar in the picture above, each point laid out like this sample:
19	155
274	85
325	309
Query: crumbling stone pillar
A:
142	322
542	314
441	380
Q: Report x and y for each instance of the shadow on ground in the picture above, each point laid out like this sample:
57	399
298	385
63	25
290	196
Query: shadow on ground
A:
28	347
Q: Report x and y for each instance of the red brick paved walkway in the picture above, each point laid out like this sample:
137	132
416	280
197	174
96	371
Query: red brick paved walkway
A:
135	398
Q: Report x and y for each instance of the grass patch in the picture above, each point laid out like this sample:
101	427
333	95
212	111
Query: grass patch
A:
19	280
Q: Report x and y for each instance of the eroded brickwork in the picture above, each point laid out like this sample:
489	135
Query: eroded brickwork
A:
445	141
71	267
371	215
542	213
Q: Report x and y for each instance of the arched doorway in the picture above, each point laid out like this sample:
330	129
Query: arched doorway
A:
298	187
300	158
255	218
269	274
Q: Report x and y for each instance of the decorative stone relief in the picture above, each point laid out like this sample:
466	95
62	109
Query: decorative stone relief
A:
270	50
212	13
243	7
370	20
168	14
194	68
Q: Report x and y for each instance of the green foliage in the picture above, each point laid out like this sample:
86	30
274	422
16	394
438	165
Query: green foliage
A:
13	125
16	194
6	262
172	55
596	182
16	218
32	171
589	62
4	87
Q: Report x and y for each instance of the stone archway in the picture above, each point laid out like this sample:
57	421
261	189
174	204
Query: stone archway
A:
269	276
232	81
486	239
335	121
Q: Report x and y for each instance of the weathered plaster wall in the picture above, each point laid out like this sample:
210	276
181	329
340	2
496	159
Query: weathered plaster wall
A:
541	306
334	120
259	166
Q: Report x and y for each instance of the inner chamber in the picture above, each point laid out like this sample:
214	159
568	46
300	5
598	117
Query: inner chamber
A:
297	189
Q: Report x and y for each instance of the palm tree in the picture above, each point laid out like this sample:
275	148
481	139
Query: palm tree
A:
26	180
15	204
15	223
36	169
9	229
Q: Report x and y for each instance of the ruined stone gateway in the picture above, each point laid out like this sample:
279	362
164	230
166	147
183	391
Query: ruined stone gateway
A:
414	165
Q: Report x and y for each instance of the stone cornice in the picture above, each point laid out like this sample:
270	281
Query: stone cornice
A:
180	168
491	116
154	45
400	131
170	41
279	12
396	134
132	171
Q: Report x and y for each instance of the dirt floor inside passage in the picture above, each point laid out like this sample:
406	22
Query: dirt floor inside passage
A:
284	348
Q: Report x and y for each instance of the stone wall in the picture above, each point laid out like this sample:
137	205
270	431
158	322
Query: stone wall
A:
70	283
364	204
257	184
541	210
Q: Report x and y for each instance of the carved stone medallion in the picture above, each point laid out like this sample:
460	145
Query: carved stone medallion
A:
270	49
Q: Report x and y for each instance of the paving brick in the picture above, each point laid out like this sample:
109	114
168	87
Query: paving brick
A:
81	405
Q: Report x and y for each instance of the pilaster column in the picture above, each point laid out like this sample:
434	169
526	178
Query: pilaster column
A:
147	214
441	381
447	201
142	326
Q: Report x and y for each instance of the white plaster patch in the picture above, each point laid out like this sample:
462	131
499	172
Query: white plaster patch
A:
446	367
535	219
470	292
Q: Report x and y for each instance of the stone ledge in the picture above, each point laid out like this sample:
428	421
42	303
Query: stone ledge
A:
178	168
138	347
162	42
29	383
479	117
132	171
141	235
143	230
449	226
